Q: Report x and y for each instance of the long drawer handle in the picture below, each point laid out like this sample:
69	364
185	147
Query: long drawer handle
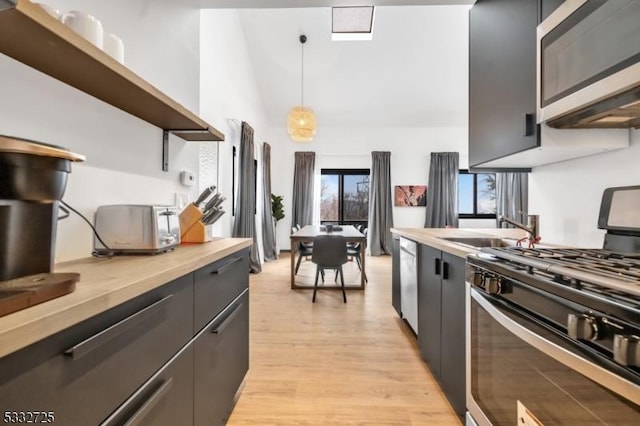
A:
150	404
97	340
223	268
227	320
437	266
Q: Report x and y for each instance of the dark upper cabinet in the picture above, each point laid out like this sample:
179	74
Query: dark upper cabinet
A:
502	77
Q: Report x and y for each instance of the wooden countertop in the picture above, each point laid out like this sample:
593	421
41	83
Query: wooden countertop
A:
105	283
433	237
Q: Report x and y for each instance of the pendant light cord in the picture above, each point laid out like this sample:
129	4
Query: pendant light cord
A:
302	73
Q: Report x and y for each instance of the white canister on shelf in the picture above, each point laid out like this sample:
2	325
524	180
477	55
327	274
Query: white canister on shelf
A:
86	25
114	47
50	10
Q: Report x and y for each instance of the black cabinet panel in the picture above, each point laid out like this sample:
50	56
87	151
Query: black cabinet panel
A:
452	363
165	400
221	362
395	277
216	285
429	306
502	78
85	372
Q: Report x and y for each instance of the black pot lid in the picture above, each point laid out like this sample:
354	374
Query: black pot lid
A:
25	146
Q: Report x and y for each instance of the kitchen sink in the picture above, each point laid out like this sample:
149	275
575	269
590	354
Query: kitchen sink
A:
479	242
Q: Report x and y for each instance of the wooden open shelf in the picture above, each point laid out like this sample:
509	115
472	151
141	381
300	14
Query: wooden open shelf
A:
33	37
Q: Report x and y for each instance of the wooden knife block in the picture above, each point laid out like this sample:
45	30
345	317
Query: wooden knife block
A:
191	229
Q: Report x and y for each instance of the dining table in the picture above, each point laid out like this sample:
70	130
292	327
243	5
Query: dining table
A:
309	232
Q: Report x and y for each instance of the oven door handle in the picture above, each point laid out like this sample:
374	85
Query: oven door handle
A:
592	371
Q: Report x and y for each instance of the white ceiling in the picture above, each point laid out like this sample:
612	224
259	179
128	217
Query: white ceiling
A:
413	73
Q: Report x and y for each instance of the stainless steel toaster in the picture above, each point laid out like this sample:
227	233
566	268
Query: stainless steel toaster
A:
128	228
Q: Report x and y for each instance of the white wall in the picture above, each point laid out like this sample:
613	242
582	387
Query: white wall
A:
229	95
567	195
123	164
351	148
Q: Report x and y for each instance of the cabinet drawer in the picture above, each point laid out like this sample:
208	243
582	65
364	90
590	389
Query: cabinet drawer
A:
166	399
221	360
216	285
85	372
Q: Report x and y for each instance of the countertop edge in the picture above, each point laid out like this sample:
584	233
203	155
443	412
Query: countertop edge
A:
141	274
433	237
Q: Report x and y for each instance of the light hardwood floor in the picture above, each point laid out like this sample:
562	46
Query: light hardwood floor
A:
332	363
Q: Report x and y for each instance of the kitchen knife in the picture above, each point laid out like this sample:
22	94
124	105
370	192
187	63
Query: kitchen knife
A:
214	217
204	195
206	216
211	203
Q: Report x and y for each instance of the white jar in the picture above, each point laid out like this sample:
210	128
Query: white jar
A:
86	25
114	47
50	10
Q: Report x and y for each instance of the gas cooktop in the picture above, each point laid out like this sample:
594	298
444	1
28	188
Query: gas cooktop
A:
578	268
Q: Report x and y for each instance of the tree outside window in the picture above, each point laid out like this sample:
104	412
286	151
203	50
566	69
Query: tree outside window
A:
344	196
476	195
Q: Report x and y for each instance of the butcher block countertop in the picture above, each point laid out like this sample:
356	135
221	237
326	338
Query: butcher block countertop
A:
105	283
434	237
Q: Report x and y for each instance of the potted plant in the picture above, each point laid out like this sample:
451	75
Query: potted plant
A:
277	211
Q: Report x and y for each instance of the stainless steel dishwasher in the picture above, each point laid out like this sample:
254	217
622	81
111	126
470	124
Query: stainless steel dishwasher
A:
409	282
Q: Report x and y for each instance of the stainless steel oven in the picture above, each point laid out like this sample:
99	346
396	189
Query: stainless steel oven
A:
589	65
522	370
553	334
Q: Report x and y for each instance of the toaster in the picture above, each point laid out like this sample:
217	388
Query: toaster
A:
136	229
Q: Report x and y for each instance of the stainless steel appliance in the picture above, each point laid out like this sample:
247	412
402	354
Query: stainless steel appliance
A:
553	334
33	178
589	65
409	282
130	229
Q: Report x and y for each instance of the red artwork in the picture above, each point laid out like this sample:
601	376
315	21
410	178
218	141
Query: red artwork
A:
410	196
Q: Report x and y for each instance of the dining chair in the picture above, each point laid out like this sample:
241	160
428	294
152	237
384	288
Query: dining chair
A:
302	249
353	251
329	252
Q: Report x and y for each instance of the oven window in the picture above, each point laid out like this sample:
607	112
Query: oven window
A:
598	40
506	370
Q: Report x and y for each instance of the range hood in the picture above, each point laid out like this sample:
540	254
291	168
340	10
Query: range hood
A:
620	111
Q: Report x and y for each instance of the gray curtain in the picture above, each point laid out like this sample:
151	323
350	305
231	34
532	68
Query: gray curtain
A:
442	192
512	196
245	221
380	205
303	188
268	230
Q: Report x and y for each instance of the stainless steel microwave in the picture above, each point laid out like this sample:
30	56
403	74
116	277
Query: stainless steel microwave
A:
588	73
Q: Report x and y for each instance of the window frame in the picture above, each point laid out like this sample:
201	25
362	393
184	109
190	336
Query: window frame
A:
475	214
341	174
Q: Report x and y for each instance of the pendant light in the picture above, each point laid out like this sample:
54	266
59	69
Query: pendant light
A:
301	121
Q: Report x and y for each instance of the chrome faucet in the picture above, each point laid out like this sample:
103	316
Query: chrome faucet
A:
532	228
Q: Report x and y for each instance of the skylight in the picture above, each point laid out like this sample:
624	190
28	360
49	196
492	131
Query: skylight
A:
352	23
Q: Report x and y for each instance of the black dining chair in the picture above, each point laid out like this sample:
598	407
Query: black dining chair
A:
329	252
303	250
353	251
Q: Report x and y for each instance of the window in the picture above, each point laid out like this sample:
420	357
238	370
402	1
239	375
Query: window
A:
476	195
344	196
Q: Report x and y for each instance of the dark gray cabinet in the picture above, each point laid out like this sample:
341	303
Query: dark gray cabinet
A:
165	400
144	361
441	320
85	372
502	77
221	362
395	276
